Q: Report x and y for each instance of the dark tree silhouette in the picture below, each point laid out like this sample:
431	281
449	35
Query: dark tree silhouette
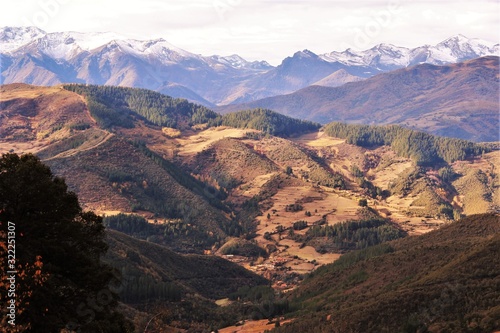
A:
61	281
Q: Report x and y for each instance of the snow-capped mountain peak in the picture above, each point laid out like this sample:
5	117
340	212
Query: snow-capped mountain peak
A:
32	55
459	47
160	45
58	45
93	40
12	38
305	54
236	62
387	56
233	60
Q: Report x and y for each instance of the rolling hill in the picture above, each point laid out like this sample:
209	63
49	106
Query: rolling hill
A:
239	186
458	100
115	172
133	150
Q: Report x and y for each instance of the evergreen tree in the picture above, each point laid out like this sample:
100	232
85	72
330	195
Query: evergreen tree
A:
69	286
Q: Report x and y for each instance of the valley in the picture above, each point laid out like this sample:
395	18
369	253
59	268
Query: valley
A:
280	197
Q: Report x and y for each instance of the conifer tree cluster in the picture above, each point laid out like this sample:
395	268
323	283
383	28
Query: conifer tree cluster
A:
267	121
423	148
116	106
353	235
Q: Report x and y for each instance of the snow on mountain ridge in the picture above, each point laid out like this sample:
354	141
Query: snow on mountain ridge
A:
453	49
12	38
65	45
158	49
34	56
236	62
459	47
93	40
58	45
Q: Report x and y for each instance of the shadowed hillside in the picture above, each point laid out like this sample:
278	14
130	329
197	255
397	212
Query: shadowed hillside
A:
179	290
446	280
210	276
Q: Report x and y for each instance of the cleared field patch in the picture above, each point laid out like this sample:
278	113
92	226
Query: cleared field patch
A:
307	253
479	184
30	113
318	139
317	201
475	191
251	326
21	90
384	176
190	145
253	188
22	147
410	224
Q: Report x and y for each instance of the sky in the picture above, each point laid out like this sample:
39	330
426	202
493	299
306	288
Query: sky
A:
267	30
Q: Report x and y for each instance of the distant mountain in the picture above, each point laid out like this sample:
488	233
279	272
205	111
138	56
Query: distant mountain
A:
387	57
457	100
30	55
14	38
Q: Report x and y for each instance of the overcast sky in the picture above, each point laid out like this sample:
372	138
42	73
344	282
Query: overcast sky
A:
264	29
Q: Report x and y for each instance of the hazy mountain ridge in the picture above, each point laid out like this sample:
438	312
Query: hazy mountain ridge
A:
33	56
457	100
389	57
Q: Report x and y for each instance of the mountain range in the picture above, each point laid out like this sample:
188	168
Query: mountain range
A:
31	55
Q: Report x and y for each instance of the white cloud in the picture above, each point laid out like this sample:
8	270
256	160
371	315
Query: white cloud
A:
265	29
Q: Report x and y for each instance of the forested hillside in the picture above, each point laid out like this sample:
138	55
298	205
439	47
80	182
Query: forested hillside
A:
444	281
423	148
117	106
131	178
267	121
229	188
